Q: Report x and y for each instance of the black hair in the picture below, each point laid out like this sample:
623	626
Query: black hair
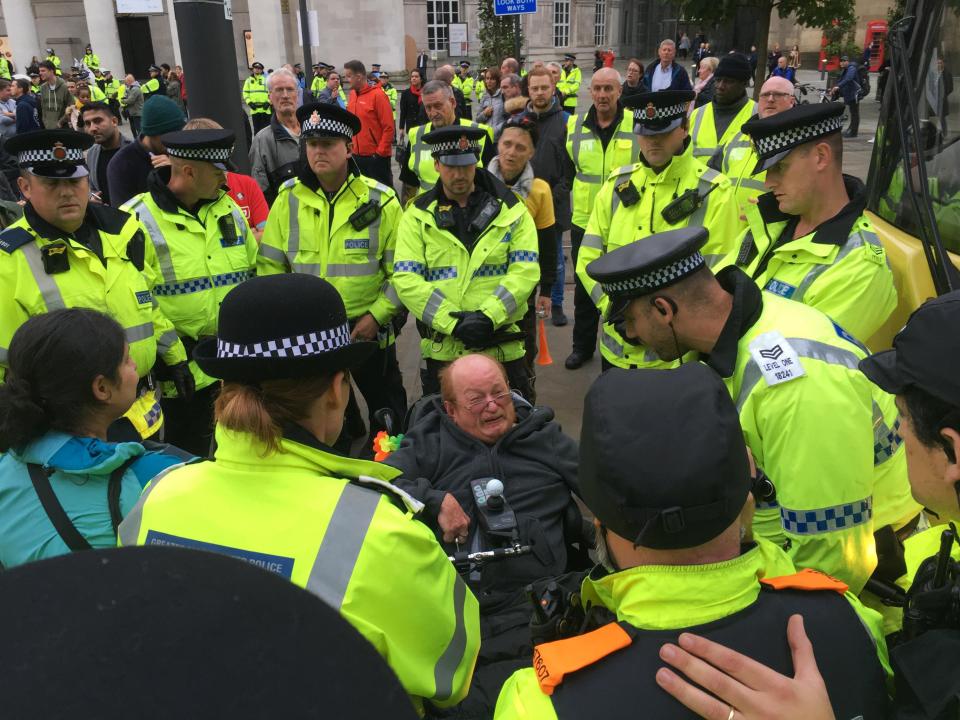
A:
524	122
97	106
23	84
355	66
53	361
48	65
928	416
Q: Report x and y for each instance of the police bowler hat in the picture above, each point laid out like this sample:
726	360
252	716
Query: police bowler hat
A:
281	326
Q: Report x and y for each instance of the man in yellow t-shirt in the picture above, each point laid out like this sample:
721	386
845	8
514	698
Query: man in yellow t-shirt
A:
516	146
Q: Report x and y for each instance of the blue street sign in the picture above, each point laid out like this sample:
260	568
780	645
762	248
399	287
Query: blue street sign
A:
514	7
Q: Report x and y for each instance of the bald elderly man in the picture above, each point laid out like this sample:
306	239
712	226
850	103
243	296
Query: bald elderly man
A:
477	430
739	157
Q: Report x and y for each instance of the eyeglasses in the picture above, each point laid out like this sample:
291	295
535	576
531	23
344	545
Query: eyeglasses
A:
772	95
478	405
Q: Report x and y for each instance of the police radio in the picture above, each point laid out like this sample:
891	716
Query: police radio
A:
229	235
933	601
685	205
365	214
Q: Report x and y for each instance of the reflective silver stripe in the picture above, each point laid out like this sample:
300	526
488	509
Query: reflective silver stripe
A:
341	544
146	217
352	269
293	238
752	184
446	667
45	283
615	199
853	242
306	268
596	294
699	112
712	260
700	213
240	221
388	256
390	293
129	529
611	343
507	298
812	349
166	341
578	136
275	254
704	151
138	332
433	305
593	179
592	241
374	229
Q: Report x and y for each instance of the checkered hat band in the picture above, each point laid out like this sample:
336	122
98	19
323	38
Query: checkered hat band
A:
669	112
785	139
453	146
326	126
311	344
201	153
658	278
32	157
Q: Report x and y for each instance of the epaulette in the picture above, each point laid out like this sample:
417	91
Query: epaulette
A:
555	660
625	170
387	193
14	238
110	219
402	499
287	184
806	579
424	199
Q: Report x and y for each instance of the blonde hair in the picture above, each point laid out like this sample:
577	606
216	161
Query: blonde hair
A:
202	123
263	409
712	62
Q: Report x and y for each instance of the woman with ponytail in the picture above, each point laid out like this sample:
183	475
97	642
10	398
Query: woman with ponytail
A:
63	487
280	497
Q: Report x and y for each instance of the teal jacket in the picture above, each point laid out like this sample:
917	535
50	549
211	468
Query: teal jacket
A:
81	471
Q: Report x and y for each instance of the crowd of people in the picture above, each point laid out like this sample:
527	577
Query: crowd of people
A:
183	346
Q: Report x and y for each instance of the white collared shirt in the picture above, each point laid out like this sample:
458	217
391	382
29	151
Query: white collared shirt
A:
662	78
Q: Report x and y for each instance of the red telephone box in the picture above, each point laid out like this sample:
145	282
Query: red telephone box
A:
876	40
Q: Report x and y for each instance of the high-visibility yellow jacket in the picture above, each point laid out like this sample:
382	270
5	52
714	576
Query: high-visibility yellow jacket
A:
661	598
306	233
56	62
112	88
593	163
420	161
114	286
391	93
197	259
466	86
91	60
150	87
255	95
435	275
794	377
614	224
704	133
739	160
332	525
841	268
569	85
96	94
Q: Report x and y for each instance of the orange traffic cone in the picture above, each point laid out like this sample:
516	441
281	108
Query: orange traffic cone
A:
543	357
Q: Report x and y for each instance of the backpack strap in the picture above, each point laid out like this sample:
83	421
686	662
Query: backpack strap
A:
555	660
113	492
807	579
54	510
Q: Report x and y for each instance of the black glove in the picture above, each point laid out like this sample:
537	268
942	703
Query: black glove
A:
473	329
621	327
182	380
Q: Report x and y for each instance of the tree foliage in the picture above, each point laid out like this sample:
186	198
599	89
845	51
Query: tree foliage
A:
496	35
812	13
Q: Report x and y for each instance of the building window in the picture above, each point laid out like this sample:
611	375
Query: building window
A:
440	13
600	23
561	23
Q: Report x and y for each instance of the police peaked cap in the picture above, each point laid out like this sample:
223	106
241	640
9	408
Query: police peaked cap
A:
569	56
648	265
207	145
658	112
775	136
51	153
280	327
456	144
324	120
151	631
663	462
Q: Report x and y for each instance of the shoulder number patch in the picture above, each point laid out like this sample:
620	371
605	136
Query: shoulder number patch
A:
776	358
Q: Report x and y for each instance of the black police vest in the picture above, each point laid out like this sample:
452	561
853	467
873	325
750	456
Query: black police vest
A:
622	684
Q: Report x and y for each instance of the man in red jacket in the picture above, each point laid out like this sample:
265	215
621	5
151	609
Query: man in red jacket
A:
373	145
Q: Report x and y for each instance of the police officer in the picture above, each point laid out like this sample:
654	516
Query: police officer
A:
203	249
675	551
387	87
465	84
598	141
808	238
278	498
826	439
666	189
152	85
440	105
335	223
67	252
114	90
319	81
717	122
257	99
466	261
55	59
569	84
91	59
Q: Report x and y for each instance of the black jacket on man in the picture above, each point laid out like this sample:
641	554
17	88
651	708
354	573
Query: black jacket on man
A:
550	160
